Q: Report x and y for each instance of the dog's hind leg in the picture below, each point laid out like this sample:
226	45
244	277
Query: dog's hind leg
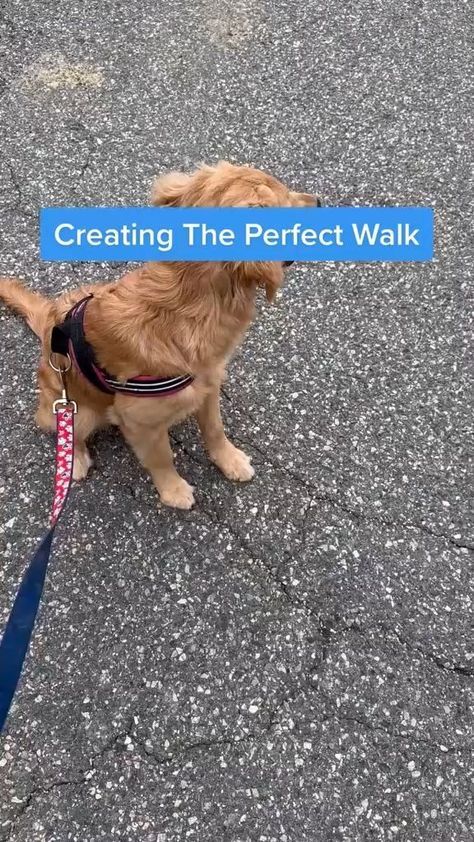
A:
85	422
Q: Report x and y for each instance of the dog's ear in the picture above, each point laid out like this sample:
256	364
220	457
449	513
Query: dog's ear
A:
170	189
269	275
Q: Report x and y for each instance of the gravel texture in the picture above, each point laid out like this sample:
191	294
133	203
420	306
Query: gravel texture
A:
293	660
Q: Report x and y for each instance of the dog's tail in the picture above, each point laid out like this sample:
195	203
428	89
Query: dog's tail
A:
35	308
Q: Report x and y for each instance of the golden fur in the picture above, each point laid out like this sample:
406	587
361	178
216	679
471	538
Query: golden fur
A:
160	320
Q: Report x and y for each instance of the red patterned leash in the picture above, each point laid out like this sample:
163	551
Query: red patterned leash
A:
17	634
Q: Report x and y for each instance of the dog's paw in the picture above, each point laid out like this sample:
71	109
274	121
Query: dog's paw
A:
234	463
178	494
81	465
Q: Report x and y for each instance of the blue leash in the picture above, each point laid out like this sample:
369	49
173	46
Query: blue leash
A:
17	634
19	628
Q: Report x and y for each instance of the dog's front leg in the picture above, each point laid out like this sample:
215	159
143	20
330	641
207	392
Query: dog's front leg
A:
234	463
152	448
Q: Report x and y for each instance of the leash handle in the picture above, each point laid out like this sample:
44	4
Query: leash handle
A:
17	634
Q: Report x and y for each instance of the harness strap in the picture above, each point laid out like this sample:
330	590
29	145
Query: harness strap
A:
17	634
69	338
148	387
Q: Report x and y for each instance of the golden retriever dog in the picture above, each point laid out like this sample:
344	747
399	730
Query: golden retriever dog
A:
163	320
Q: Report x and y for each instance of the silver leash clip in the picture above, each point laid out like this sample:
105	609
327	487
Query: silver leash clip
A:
64	400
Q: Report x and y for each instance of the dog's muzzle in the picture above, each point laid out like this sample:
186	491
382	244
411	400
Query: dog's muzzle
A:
318	205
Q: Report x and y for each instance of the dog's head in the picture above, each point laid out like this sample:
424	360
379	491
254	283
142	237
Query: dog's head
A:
227	185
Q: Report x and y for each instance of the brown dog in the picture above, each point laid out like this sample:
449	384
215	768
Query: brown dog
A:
164	319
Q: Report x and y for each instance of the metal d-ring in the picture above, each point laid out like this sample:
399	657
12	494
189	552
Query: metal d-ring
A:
60	370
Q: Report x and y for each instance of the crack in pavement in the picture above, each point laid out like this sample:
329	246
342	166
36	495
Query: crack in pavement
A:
394	734
126	740
91	143
357	515
309	683
326	627
336	503
252	556
119	742
189	453
18	207
460	669
82	776
291	595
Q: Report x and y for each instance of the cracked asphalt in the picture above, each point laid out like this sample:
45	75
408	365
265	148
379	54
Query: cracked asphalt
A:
293	660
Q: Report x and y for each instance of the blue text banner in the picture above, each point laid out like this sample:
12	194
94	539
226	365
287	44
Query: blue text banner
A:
356	234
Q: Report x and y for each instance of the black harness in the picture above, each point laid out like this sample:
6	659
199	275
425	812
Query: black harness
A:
69	338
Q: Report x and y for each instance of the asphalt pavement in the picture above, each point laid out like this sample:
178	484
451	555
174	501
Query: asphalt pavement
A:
293	660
